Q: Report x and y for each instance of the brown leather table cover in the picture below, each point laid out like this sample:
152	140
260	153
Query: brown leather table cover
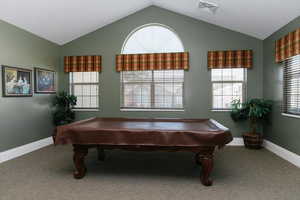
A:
147	132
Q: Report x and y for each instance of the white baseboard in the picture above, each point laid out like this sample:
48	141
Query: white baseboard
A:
274	148
237	141
24	149
27	148
283	153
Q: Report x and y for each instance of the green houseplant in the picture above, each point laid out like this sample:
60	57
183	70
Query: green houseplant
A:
63	104
62	113
256	111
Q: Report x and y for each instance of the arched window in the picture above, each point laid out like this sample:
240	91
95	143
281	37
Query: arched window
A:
156	89
153	38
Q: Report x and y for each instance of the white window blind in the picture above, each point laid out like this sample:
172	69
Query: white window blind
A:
227	85
85	86
152	89
291	86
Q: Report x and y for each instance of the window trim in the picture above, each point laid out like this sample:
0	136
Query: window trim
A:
290	115
152	108
244	92
86	109
71	91
285	95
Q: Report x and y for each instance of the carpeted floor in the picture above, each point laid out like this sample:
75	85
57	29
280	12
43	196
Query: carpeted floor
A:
238	174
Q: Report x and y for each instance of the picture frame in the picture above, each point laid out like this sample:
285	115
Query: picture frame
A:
16	82
44	81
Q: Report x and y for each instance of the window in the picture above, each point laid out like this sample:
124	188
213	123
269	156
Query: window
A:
85	85
291	89
152	89
158	89
227	85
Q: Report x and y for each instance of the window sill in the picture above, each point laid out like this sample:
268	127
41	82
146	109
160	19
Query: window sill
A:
290	115
151	110
216	110
86	110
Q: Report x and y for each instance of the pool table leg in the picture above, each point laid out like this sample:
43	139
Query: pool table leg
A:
101	153
197	159
207	166
206	160
80	151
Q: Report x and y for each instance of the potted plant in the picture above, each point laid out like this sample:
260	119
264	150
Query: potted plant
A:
63	113
256	111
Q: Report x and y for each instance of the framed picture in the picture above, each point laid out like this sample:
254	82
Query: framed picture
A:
16	82
44	81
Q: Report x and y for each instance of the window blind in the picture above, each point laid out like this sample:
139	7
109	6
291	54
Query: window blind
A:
156	89
85	86
227	85
291	86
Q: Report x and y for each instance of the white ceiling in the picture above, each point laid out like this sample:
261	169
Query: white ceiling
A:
61	21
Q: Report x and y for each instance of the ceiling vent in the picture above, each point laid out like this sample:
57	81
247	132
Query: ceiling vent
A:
208	6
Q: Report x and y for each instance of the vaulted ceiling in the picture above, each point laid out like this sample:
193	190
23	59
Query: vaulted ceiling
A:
61	21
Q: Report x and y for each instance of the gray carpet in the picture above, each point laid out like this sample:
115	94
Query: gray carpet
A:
238	174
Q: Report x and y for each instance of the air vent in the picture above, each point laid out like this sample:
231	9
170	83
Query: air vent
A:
208	6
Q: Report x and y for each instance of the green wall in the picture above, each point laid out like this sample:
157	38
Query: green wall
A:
283	131
24	119
198	37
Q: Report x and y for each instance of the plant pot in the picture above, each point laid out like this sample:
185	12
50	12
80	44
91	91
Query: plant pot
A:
253	141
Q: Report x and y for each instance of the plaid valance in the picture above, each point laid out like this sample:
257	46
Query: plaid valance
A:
288	46
229	59
153	61
82	63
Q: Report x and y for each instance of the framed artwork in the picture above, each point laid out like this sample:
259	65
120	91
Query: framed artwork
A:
44	81
16	82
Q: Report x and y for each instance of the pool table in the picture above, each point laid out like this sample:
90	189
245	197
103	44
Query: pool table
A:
200	136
